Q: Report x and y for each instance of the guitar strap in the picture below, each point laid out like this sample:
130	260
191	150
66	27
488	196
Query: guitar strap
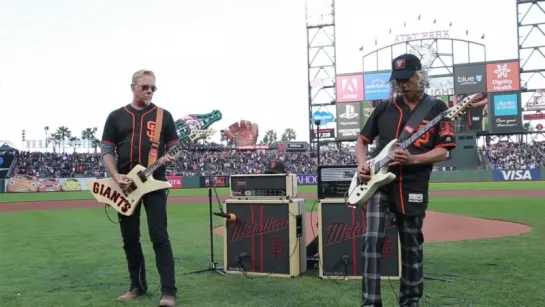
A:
416	118
156	140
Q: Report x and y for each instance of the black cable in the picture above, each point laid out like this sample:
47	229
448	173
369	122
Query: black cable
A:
287	262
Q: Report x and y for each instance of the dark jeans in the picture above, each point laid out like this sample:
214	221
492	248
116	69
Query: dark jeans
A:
155	204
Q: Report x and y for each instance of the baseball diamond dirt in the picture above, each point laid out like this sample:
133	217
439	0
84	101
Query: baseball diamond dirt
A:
439	227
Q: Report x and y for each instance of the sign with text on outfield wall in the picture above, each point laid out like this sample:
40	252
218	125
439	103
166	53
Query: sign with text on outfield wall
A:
517	175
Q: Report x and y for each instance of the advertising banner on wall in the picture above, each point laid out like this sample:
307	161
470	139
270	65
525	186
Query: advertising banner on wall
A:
177	182
505	113
221	181
306	179
33	184
376	86
349	88
441	86
502	77
348	121
327	117
517	175
469	79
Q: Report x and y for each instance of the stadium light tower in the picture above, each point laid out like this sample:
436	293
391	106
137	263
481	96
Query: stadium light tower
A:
531	52
321	59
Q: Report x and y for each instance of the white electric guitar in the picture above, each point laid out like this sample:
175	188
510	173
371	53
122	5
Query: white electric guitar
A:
107	191
359	192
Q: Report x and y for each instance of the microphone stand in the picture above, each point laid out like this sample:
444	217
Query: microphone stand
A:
213	266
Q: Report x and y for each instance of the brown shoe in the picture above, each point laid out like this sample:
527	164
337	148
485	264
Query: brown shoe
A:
167	301
130	295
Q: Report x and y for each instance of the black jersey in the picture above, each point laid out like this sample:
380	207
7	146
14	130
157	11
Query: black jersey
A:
131	132
410	188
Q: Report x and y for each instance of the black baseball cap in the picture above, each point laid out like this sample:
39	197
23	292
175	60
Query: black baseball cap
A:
276	167
404	67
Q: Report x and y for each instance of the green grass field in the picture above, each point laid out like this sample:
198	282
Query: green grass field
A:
75	258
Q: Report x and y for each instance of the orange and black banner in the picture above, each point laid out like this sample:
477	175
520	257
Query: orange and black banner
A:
221	181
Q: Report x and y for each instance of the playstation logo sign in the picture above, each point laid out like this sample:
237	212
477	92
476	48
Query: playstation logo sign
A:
349	112
348	121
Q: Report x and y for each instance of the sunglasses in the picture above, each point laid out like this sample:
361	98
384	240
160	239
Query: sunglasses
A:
146	87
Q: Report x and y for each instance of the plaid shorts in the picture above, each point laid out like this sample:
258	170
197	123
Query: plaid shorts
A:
410	235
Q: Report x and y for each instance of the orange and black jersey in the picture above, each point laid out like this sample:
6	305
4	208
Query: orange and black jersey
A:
131	132
410	188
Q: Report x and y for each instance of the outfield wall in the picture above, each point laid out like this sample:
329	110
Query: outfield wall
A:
31	184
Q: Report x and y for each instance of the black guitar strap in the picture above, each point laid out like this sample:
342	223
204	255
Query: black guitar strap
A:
416	118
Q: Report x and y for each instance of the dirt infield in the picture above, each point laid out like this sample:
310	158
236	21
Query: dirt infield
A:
439	227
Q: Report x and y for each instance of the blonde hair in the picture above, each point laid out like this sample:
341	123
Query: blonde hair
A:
140	73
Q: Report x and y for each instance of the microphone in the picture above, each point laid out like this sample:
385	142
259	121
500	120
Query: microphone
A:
229	216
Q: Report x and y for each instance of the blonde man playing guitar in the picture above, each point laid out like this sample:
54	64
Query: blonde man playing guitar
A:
130	132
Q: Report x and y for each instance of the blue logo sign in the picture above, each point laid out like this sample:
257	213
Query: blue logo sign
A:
1	161
307	179
376	86
324	116
506	105
517	175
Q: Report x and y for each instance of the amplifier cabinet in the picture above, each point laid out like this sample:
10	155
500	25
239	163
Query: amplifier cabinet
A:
267	238
263	186
340	233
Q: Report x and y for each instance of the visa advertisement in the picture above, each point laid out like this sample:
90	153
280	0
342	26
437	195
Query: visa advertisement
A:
517	175
376	86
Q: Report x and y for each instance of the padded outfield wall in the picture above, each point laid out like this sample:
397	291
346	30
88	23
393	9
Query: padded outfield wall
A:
31	184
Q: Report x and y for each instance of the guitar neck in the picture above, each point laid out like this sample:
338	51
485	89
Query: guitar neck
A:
408	142
174	151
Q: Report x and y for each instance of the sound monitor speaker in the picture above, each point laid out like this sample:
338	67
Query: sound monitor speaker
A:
340	235
266	238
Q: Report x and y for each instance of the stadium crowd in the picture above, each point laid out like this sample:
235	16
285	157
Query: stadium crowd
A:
191	163
228	161
506	155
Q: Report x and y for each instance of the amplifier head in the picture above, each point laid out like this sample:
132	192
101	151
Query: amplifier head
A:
334	180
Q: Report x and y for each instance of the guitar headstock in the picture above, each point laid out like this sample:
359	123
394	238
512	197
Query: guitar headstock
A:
460	108
201	134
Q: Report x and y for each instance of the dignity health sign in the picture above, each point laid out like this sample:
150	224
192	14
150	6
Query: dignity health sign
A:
376	86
